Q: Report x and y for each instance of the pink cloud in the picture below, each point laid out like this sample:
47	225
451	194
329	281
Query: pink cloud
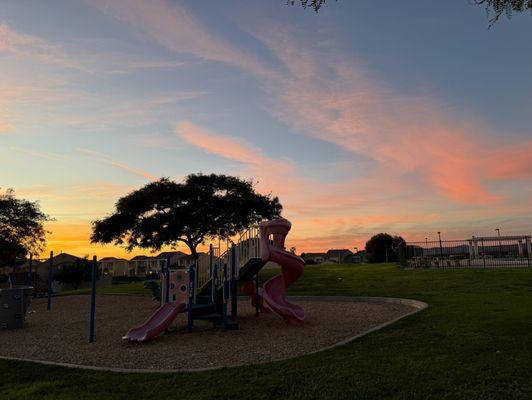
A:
334	99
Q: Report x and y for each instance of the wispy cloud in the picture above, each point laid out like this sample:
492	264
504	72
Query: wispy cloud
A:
171	25
105	159
39	153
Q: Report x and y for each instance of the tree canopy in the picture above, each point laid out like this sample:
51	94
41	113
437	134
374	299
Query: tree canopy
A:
75	274
382	247
165	213
22	229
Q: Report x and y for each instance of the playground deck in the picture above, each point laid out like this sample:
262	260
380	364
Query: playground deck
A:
61	334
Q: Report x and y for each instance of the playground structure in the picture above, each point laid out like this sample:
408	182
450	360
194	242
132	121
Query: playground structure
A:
205	290
14	303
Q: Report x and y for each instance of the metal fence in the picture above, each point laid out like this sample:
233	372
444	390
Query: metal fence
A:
477	252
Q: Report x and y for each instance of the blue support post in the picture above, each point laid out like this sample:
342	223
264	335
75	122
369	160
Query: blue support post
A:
167	288
191	281
162	281
226	295
30	271
234	281
50	278
214	288
257	297
211	267
93	298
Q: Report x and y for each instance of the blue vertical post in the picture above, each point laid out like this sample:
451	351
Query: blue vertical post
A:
191	281
50	278
162	281
211	266
167	288
234	281
93	298
257	297
214	288
30	271
226	295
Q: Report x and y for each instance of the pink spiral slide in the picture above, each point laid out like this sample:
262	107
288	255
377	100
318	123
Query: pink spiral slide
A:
292	266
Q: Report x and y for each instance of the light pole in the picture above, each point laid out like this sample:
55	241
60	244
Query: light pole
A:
441	248
499	237
388	248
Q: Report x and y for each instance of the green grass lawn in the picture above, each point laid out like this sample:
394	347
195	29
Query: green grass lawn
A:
473	342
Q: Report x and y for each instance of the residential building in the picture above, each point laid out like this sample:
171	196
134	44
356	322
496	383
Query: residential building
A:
114	266
314	258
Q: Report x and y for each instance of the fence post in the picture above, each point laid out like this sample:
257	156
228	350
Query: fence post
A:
50	277
93	298
528	250
483	254
30	271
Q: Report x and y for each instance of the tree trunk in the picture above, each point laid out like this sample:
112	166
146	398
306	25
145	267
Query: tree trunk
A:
194	252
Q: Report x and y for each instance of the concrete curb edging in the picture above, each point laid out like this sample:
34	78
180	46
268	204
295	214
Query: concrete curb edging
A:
416	304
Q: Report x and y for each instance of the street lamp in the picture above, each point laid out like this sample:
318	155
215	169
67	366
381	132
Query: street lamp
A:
441	248
499	237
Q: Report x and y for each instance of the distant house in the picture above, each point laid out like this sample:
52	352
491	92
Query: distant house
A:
141	265
176	257
341	256
59	261
114	266
314	258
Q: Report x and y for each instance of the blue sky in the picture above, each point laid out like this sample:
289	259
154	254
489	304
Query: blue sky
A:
408	117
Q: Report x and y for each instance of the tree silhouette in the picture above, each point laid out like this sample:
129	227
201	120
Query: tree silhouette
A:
75	274
21	227
165	213
382	246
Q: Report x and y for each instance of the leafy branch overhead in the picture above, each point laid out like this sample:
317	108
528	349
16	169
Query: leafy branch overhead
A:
494	8
165	213
314	4
497	8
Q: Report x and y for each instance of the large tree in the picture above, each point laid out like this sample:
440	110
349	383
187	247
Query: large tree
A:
166	213
383	247
22	229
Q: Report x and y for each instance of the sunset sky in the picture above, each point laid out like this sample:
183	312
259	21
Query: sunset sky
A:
409	117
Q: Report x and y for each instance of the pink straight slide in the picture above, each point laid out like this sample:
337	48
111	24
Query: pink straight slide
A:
157	324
